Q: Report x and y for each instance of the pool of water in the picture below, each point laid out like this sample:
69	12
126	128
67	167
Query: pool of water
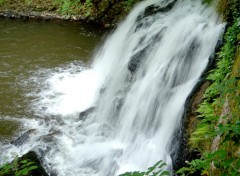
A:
33	48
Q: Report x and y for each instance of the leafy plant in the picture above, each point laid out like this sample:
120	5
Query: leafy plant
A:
2	1
28	2
129	4
18	168
68	7
156	170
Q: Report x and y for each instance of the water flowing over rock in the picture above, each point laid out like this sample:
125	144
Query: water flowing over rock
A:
23	138
147	67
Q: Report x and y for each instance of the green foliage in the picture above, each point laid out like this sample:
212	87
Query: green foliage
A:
18	168
28	2
2	1
68	7
73	7
129	3
88	5
156	170
234	9
225	166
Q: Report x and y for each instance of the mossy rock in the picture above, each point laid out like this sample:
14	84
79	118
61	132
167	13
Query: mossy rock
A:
28	165
32	156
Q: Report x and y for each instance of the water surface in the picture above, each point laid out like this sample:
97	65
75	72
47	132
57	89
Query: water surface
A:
26	47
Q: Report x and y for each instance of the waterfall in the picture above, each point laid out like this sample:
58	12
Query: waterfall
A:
145	71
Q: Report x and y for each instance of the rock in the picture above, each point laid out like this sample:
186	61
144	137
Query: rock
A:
50	137
182	151
135	61
155	9
33	157
23	138
138	58
84	114
108	25
53	119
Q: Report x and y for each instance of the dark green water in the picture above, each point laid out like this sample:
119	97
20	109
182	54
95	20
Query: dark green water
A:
27	46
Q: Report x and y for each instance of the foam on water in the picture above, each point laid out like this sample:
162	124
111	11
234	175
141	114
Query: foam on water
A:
69	93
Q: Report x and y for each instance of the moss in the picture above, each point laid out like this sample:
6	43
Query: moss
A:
222	8
28	5
94	11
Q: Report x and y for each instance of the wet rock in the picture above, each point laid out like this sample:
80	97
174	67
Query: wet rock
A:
23	138
33	157
118	104
84	114
53	119
182	152
156	9
135	61
153	9
51	136
138	58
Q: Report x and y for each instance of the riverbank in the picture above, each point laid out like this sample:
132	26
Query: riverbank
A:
104	13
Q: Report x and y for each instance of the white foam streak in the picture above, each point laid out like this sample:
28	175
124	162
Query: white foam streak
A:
71	93
68	93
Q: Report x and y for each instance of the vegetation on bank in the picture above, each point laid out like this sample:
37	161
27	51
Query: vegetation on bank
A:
94	11
217	133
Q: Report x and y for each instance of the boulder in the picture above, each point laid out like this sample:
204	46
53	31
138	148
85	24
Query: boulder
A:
33	157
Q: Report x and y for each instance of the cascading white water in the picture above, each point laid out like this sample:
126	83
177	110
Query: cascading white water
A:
146	70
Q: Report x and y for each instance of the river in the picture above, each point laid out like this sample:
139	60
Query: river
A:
29	48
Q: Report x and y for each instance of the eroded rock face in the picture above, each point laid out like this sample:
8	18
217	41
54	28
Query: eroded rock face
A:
182	152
